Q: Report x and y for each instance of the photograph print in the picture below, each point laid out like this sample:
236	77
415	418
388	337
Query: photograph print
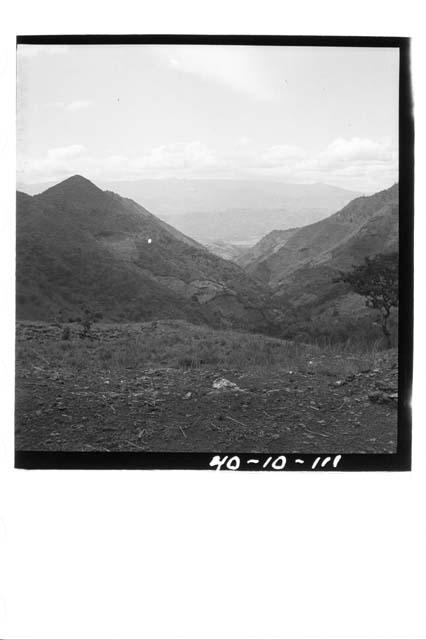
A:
213	248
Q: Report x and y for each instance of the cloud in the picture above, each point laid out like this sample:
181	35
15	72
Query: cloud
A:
238	68
182	159
356	150
357	163
33	50
361	164
56	163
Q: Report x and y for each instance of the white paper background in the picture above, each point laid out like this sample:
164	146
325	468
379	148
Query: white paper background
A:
120	554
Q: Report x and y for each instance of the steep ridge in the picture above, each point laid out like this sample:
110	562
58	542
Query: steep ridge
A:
81	247
301	267
365	226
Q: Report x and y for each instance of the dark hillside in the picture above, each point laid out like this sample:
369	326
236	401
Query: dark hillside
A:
301	266
81	247
320	242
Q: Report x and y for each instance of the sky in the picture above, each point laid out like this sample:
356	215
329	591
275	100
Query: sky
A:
127	112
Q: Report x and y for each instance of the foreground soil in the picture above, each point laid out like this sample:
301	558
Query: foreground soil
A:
307	408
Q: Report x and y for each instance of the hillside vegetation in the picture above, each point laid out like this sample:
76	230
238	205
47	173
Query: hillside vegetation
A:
301	267
365	226
83	250
80	247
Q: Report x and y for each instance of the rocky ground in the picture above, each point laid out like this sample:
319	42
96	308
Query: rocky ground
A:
315	404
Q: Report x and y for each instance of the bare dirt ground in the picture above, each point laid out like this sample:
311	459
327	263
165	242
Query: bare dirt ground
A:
83	400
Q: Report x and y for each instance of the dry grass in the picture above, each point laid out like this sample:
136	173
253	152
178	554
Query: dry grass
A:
179	344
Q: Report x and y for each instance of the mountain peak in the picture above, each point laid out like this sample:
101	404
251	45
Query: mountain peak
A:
77	189
77	178
75	182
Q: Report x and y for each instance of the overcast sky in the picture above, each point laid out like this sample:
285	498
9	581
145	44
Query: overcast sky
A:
296	114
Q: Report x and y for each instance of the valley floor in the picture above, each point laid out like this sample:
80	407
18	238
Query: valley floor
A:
152	387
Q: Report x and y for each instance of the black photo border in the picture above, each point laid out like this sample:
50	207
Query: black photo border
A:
401	460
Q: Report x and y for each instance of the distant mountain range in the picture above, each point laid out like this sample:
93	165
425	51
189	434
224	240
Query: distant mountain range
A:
81	247
234	211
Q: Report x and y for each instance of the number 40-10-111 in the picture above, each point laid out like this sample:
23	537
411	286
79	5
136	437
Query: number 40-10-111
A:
233	463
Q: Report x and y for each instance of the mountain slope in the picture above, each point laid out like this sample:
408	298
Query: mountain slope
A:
81	247
301	266
366	226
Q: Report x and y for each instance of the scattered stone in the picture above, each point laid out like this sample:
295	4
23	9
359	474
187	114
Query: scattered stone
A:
339	383
187	395
223	383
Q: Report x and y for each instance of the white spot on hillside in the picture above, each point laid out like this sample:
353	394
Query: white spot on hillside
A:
149	240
